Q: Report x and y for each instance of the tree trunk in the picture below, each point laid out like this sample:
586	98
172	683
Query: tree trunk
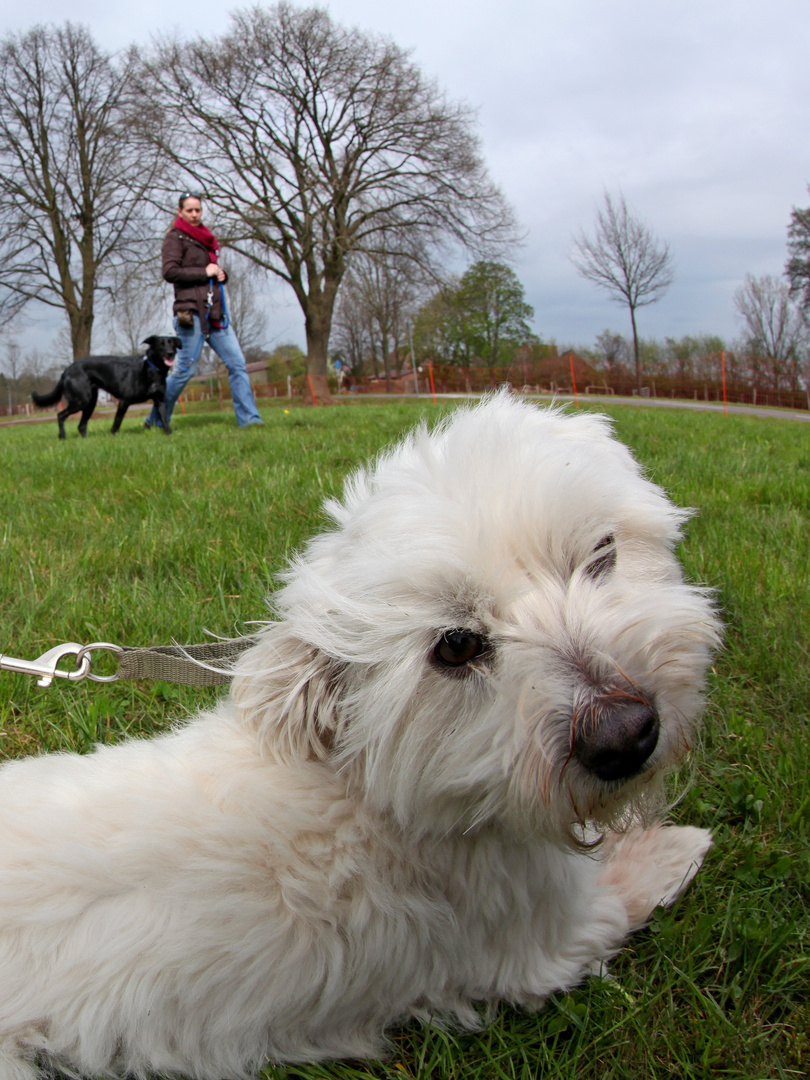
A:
386	361
316	383
316	391
636	356
318	306
81	330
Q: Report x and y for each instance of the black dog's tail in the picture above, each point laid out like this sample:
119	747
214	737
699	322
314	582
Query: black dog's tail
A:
49	399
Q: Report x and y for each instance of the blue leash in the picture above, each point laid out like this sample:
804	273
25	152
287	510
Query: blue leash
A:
209	301
226	319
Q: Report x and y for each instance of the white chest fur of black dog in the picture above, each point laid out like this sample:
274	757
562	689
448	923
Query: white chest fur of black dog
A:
492	654
130	379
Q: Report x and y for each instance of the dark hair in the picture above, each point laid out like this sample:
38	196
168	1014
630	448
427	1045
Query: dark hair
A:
188	195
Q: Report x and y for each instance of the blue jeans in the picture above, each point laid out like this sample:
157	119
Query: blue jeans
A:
226	346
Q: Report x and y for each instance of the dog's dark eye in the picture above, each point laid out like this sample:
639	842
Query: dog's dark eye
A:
458	647
605	560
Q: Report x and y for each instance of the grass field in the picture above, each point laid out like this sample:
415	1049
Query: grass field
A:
142	539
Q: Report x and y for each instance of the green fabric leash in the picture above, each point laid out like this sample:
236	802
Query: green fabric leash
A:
193	665
183	664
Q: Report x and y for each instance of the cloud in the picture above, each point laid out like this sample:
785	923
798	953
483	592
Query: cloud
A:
697	112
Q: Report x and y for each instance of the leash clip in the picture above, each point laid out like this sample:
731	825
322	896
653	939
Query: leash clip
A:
46	666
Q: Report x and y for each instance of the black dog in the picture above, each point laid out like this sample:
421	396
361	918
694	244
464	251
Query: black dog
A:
129	378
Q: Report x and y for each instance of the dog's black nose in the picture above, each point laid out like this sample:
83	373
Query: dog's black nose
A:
618	740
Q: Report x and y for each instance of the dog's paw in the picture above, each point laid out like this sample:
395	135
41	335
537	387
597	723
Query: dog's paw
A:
648	867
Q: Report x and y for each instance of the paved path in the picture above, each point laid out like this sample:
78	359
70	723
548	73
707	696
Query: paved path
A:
608	399
104	411
591	399
685	403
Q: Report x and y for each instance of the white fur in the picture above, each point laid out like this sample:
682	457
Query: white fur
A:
357	835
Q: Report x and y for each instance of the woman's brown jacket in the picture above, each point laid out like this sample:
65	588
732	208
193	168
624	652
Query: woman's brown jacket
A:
184	263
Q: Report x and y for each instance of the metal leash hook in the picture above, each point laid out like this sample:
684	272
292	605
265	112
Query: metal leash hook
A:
46	666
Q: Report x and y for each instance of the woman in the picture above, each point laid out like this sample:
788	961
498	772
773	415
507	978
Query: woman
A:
190	264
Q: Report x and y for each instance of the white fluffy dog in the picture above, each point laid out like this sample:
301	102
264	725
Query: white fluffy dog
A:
491	660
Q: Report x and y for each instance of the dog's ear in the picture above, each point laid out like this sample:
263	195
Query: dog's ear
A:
177	342
150	341
289	692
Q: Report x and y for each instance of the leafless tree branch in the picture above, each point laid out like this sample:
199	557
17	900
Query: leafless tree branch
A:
776	336
313	143
72	181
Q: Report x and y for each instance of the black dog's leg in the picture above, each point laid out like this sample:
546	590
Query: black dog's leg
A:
73	404
62	416
160	405
87	411
120	412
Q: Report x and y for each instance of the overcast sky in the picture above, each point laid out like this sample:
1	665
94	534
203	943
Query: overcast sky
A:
697	110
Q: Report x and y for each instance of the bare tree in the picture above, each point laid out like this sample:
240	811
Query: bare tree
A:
248	300
72	184
625	259
383	296
314	142
353	339
138	305
12	367
24	373
775	333
612	351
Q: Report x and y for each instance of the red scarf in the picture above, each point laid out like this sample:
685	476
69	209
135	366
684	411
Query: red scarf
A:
200	234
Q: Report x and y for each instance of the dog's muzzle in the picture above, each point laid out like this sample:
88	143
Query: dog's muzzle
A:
616	736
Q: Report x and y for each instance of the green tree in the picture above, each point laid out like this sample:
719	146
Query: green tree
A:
438	329
493	312
693	356
285	360
798	264
481	319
